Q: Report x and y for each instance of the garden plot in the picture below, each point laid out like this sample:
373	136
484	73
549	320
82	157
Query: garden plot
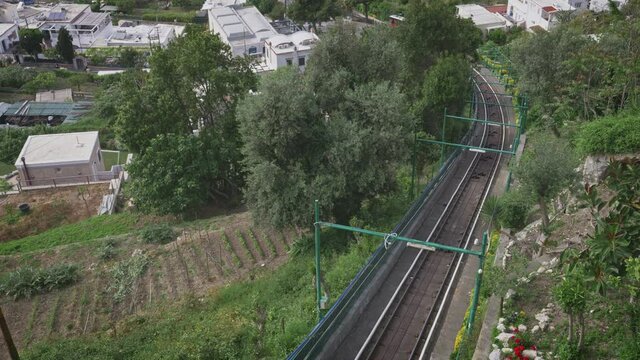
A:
124	275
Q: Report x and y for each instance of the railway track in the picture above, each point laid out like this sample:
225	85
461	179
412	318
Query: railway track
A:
408	324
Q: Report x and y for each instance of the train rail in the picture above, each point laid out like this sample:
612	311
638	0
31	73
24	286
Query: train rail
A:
408	324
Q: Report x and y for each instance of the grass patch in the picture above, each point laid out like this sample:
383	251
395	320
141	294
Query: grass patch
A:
92	228
6	168
111	159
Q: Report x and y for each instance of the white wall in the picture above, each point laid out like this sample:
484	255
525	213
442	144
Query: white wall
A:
8	39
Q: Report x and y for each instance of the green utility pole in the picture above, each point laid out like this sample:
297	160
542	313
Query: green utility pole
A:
317	238
476	290
412	192
444	125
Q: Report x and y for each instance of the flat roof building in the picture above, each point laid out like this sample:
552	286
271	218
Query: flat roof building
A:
8	37
84	25
61	159
142	36
243	29
289	50
484	19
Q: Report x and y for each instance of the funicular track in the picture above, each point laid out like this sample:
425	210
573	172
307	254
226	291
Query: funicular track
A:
407	326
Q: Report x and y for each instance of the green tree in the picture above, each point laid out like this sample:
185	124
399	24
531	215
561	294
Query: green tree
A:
498	279
342	157
130	58
173	175
546	167
571	294
284	142
343	60
193	86
145	111
446	85
126	6
42	81
313	11
31	41
430	31
65	45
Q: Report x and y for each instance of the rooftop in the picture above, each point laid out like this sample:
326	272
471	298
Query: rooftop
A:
212	4
480	16
64	12
285	43
140	35
6	27
242	23
53	149
62	95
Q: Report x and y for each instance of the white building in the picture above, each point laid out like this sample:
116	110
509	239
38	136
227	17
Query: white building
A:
140	36
212	4
482	18
289	50
603	5
84	25
244	29
540	14
8	37
61	158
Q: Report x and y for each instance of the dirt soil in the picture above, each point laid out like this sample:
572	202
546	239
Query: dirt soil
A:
49	208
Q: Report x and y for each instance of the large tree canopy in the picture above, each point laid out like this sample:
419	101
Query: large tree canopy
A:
193	85
296	154
431	31
31	40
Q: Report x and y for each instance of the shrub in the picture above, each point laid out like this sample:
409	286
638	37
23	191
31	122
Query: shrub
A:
28	281
158	234
108	251
616	134
15	76
125	273
513	209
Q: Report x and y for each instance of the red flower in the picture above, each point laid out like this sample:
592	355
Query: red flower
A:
515	330
533	347
517	341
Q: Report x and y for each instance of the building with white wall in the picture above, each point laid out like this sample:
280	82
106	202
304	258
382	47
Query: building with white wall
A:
539	14
244	29
84	25
289	50
140	36
483	19
8	37
603	5
61	159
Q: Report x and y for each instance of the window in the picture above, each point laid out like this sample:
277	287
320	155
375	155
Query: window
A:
253	50
289	61
301	61
99	157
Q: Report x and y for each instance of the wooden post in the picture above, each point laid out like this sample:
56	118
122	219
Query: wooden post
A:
13	352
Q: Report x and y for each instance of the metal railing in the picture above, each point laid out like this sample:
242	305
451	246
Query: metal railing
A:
101	176
314	342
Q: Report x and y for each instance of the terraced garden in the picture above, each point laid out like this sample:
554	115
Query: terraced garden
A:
124	275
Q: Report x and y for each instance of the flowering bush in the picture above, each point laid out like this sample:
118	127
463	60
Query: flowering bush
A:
520	342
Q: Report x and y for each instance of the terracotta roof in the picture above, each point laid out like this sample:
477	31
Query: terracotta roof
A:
497	9
549	9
